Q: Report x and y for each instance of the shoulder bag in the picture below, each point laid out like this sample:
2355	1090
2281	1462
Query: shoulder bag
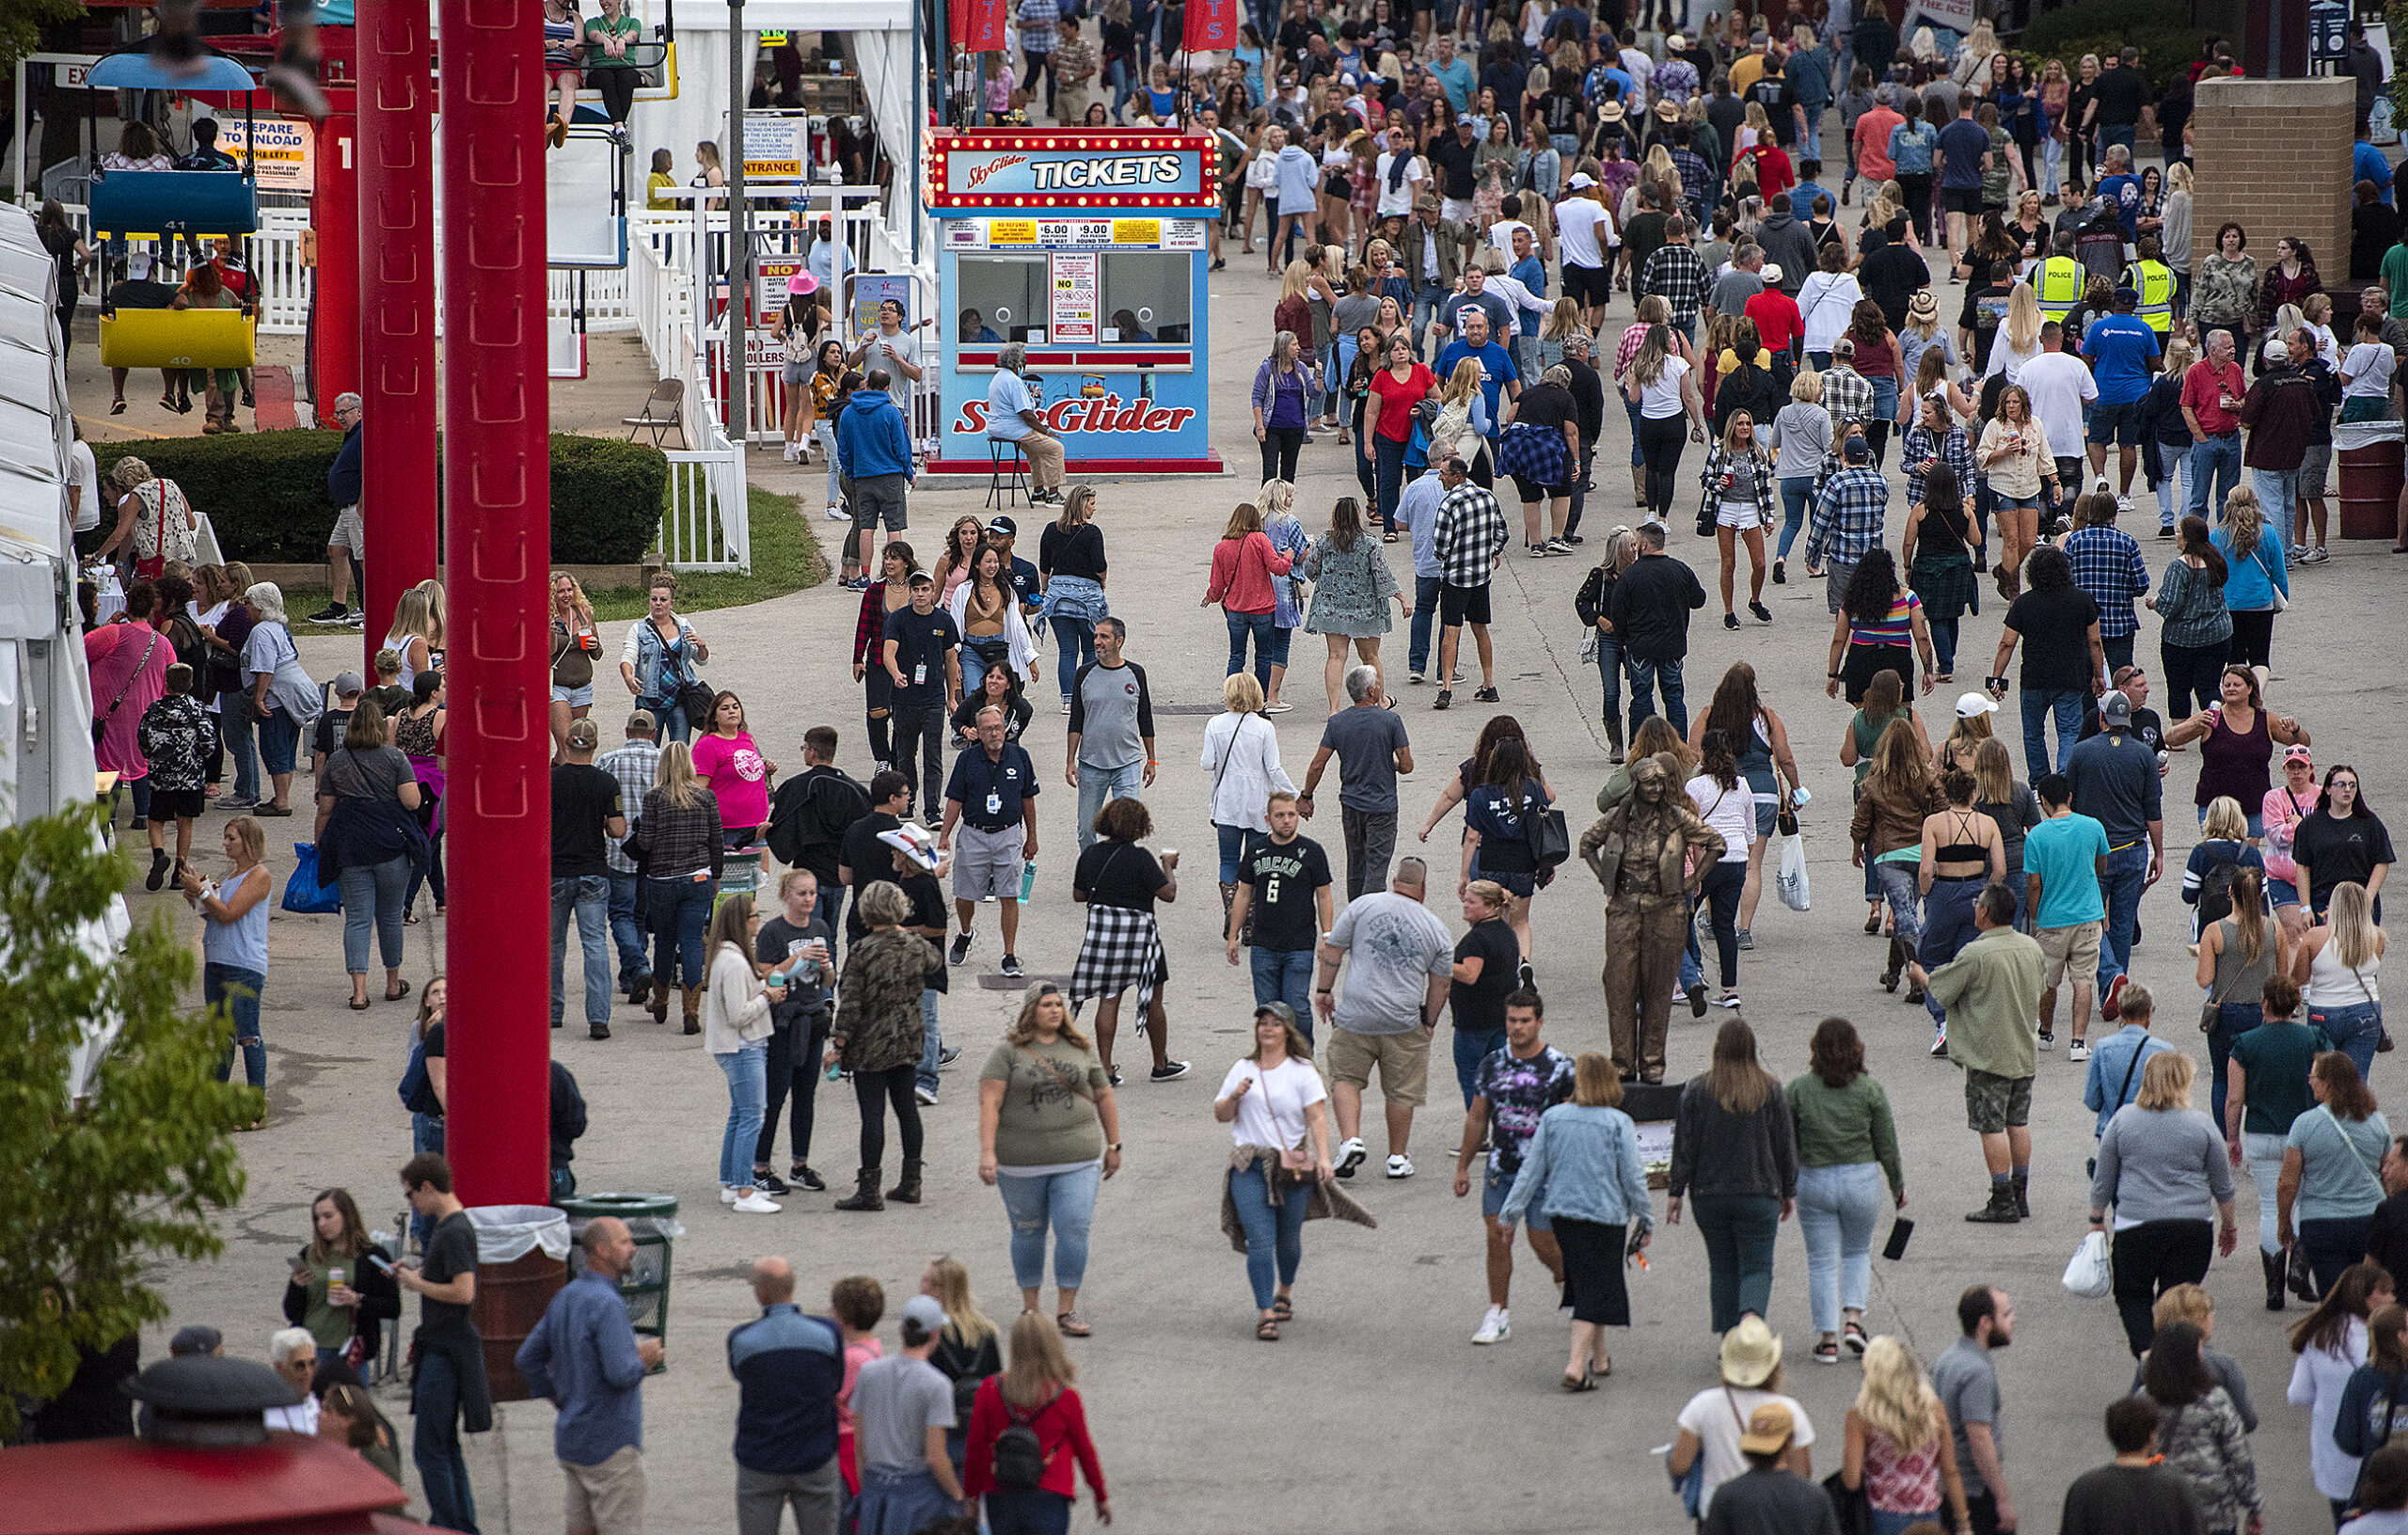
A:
1548	833
2211	1012
1296	1158
2274	581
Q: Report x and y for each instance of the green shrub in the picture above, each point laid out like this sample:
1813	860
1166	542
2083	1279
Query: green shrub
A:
266	493
2160	29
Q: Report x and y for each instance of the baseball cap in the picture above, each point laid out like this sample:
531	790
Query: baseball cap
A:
1280	1010
1768	1429
1675	43
194	1339
1858	450
2126	298
1771	274
583	735
2115	709
1757	39
1973	704
2298	753
924	1314
347	685
921	577
1581	182
1001	524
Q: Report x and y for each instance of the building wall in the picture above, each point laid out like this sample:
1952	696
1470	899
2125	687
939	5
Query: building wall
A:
2274	156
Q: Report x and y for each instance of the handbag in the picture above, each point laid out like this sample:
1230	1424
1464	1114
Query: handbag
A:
1549	836
1852	1504
101	722
1292	1159
2273	582
303	892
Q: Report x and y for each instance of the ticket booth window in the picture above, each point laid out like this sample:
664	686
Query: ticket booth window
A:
1008	293
1145	297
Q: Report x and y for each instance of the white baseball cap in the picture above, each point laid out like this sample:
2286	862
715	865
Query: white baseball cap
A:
1972	704
1581	182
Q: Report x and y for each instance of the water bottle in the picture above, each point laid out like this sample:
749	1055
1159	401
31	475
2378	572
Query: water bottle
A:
1028	881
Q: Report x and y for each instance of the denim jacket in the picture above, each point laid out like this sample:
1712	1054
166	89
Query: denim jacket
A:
1586	1161
650	653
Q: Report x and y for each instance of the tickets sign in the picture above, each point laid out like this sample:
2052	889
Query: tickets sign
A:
1094	167
283	148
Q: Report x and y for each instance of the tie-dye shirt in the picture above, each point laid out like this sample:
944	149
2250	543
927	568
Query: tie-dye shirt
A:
1518	1091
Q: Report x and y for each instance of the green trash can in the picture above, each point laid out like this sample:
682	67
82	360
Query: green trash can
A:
651	1221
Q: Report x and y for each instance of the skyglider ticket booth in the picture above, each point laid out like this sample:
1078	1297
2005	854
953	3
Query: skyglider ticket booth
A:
1086	246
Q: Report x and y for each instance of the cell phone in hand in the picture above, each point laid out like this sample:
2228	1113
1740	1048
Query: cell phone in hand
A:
376	1260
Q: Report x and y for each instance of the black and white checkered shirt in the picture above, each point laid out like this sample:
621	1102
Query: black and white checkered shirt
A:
1469	536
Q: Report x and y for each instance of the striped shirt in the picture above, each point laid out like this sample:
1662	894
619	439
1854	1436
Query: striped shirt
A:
1894	629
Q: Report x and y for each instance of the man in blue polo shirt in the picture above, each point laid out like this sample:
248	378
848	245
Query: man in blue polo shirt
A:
1499	380
993	797
788	1368
2120	189
2123	355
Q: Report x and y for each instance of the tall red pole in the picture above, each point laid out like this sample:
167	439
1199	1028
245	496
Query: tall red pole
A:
397	387
497	509
335	283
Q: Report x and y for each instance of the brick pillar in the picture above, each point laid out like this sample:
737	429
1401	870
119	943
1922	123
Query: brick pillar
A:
2274	156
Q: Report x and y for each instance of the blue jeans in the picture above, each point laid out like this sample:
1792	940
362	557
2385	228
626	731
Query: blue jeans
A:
2213	463
670	716
1073	647
1898	1524
2121	887
2354	1030
680	909
236	731
1231	840
747	1087
1097	785
931	1042
371	898
1947	928
1609	675
625	931
434	1445
1836	1210
1738	1229
426	1134
1280	975
280	742
1035	1512
1387	474
1885	416
1121	87
1638	459
2233	1020
1264	628
1645	677
239	991
1425	616
1797	495
1473	1046
1063	1202
1897	885
588	897
1273	1233
2277	492
2039	703
1426	300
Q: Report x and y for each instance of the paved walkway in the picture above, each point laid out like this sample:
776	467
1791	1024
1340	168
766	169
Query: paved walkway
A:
1374	1414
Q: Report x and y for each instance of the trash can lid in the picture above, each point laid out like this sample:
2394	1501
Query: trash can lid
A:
585	1207
506	1233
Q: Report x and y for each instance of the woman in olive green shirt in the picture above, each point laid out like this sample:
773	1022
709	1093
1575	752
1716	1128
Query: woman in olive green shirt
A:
1049	1133
1846	1144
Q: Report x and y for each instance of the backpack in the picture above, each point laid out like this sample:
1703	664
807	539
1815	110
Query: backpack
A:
1020	1461
2215	892
416	1088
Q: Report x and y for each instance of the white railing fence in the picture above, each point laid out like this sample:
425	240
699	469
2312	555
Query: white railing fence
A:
706	524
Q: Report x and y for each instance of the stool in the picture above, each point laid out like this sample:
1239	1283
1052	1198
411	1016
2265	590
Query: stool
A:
1004	458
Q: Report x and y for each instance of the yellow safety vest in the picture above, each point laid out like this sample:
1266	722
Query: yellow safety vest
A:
2154	281
2060	289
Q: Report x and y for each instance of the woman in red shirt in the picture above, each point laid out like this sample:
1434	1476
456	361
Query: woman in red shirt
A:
1388	421
1035	1392
1243	563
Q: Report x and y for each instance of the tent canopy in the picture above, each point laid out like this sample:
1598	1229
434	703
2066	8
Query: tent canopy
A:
138	72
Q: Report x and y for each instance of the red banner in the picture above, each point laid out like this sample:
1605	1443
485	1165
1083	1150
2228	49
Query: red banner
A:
976	25
1211	25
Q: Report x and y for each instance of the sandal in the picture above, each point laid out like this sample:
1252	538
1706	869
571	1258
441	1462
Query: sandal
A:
1284	1309
1390	538
359	1006
1267	1330
1071	1326
396	996
1585	1381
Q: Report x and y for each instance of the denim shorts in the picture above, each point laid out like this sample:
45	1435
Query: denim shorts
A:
2282	892
1494	1186
574	697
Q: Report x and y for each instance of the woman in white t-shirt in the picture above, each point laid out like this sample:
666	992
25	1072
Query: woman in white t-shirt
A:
2366	373
1715	1418
1659	384
1726	803
1277	1112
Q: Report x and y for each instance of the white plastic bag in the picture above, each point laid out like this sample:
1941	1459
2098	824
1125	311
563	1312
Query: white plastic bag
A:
1789	880
2088	1276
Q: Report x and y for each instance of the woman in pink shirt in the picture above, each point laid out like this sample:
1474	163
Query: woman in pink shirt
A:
1243	563
2283	808
128	663
726	759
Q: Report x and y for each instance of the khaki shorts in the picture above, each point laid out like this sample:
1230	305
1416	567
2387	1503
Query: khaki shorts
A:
1403	1060
349	534
2070	952
606	1499
987	864
1993	1103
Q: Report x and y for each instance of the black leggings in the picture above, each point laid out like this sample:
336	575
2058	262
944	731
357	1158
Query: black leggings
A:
1280	446
2253	639
1660	441
895	1084
879	687
799	1074
2191	671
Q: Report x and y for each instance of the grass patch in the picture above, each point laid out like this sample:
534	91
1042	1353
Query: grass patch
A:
785	557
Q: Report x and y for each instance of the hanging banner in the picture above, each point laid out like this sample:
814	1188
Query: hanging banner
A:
1074	297
1211	25
976	25
1956	15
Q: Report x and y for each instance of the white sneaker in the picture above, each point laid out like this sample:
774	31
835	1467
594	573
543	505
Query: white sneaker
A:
925	1095
1350	1153
794	453
1495	1327
837	513
726	1194
2077	1052
755	1203
1399	1166
2316	556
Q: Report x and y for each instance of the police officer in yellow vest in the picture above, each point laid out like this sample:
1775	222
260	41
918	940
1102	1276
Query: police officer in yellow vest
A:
2154	281
2059	281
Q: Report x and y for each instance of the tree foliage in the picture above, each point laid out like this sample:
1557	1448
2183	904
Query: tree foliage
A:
22	23
98	1188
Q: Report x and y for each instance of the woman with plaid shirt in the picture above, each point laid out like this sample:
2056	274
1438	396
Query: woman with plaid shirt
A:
1738	481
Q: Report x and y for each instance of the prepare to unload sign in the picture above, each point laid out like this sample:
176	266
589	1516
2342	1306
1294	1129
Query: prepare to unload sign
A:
281	148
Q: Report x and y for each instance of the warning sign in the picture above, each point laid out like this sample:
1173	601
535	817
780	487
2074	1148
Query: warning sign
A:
284	149
1074	297
772	272
773	148
1011	231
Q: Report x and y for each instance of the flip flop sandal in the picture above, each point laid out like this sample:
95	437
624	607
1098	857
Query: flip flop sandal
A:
1267	1330
1283	1309
396	996
359	1006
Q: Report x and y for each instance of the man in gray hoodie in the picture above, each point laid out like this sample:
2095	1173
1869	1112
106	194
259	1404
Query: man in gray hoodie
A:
1787	244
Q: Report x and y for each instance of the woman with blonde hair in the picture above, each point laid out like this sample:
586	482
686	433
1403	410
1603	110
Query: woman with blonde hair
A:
1581	1166
1038	1392
2161	1167
1048	1134
679	840
2174	234
1462	420
574	643
2256	573
1739	480
1561	324
1660	385
417	634
736	1031
2014	451
2339	962
1734	1154
1899	1446
1277	1109
1242	753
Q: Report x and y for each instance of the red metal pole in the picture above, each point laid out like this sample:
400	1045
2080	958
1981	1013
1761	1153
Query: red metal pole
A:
498	508
396	154
336	282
